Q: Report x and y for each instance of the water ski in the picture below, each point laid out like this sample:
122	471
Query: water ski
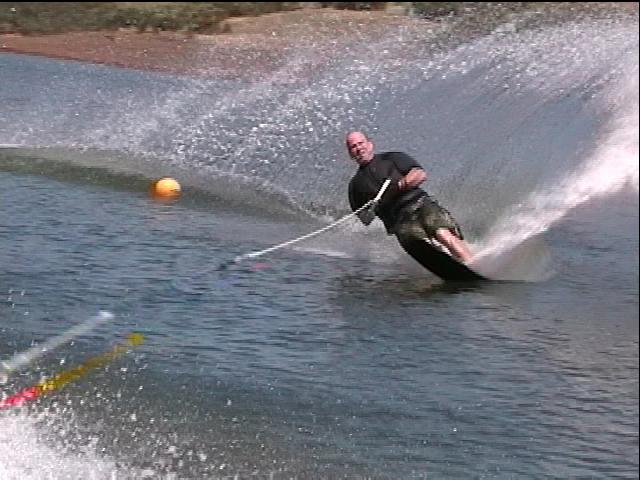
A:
434	257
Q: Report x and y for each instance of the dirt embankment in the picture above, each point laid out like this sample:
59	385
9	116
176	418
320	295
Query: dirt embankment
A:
249	44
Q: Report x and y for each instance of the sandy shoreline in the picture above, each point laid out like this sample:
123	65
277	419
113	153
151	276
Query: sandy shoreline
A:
253	44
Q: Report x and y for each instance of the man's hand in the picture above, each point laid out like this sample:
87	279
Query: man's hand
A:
367	215
412	179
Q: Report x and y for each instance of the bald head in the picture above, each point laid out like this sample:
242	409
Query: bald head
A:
360	147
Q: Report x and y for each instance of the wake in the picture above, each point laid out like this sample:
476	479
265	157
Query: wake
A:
611	168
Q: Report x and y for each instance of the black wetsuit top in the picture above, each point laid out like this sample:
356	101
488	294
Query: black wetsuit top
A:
369	178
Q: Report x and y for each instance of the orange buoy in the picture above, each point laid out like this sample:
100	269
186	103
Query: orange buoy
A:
166	187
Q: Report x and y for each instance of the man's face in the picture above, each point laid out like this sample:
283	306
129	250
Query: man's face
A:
360	148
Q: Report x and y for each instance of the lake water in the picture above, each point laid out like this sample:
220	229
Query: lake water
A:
337	357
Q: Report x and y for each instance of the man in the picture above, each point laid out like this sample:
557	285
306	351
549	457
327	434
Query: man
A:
405	209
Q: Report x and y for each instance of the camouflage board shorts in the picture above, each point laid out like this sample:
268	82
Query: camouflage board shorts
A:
423	219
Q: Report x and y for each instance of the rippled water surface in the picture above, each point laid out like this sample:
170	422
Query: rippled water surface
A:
338	357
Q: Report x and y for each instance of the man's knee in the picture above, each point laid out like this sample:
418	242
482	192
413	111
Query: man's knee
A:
456	245
446	236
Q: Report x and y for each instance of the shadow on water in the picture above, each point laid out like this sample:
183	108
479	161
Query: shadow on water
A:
402	287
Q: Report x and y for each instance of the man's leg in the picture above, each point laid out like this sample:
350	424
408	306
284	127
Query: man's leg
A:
455	245
439	223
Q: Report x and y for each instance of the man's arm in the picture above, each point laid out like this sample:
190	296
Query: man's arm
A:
412	172
412	179
367	215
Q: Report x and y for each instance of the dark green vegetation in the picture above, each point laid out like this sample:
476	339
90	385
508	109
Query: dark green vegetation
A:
59	17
